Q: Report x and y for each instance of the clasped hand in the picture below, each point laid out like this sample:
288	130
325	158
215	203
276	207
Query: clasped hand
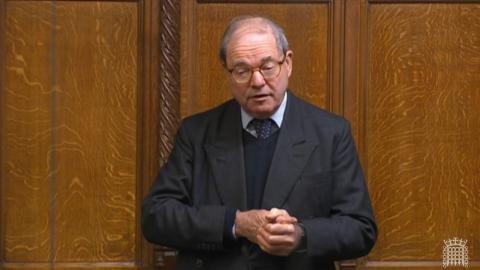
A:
275	231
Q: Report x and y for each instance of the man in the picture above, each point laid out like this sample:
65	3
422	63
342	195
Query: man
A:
265	180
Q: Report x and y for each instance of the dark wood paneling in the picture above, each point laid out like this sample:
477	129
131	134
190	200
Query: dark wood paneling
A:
354	70
69	266
263	1
96	129
168	101
27	132
85	127
2	109
204	82
421	130
169	75
71	105
421	1
150	129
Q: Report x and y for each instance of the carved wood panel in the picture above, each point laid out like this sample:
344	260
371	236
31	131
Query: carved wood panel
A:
420	135
71	100
87	116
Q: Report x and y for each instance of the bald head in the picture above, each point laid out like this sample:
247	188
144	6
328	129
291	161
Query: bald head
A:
258	24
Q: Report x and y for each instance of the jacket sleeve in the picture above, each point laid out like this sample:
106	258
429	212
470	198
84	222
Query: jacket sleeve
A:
350	230
169	216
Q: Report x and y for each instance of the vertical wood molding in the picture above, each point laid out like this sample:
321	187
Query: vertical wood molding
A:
355	82
336	56
2	99
142	257
351	59
148	116
169	75
354	38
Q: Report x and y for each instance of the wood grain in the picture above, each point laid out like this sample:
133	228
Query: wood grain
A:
149	118
72	104
204	82
2	105
169	93
169	75
422	128
96	131
69	151
69	266
411	265
27	132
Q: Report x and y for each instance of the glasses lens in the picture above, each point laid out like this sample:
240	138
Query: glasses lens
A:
270	70
242	74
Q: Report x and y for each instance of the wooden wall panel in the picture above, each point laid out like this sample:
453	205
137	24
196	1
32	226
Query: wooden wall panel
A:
421	130
204	82
69	143
85	122
96	131
27	133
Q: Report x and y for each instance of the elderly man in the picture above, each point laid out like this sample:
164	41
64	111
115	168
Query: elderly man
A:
265	180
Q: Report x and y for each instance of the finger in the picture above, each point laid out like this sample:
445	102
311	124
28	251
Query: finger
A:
275	212
278	212
286	220
270	243
279	229
275	240
278	250
261	239
279	241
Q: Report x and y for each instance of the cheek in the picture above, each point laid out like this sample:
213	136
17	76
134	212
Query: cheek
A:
281	85
238	92
278	87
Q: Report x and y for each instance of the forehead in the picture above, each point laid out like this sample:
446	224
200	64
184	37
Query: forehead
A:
250	42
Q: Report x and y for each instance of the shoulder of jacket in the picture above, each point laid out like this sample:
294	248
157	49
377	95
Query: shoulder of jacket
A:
199	121
317	114
207	116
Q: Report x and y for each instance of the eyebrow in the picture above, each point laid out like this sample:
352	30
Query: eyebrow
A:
262	61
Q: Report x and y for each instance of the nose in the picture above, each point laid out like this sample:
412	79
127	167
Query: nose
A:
257	80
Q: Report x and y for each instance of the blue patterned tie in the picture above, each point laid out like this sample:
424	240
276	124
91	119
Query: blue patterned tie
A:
263	127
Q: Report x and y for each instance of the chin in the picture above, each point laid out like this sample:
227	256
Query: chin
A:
262	113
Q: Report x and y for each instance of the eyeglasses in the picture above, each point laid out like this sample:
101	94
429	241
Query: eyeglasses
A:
269	70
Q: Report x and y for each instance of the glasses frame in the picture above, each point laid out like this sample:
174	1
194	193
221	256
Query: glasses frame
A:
259	69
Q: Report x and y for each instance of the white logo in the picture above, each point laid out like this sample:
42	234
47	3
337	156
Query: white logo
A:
455	252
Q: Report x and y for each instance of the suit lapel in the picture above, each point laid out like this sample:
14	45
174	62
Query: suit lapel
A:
225	155
291	154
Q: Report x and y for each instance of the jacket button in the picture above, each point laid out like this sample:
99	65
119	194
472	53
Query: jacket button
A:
199	263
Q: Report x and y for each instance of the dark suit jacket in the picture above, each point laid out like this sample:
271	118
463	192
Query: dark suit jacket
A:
315	175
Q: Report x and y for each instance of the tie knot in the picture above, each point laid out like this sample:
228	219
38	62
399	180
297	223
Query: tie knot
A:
263	127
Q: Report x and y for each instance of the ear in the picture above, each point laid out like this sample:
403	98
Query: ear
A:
289	61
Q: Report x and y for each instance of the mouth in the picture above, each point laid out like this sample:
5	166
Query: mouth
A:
259	97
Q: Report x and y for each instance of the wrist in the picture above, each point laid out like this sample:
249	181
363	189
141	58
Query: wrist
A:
302	239
236	227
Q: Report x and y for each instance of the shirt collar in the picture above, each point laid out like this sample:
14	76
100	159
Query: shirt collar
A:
277	116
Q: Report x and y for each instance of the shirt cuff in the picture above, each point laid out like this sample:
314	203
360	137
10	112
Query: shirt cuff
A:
229	237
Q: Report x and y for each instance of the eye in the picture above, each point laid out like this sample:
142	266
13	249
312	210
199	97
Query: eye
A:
268	66
241	70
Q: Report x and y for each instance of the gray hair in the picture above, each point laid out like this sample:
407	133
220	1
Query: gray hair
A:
237	22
